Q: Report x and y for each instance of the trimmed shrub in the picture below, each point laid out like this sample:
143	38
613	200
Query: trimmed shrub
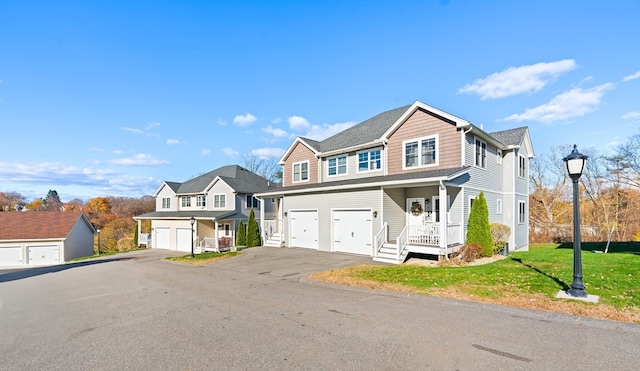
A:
135	236
241	234
471	252
253	230
478	230
500	235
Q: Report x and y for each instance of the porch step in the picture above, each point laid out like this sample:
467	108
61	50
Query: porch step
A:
274	241
388	254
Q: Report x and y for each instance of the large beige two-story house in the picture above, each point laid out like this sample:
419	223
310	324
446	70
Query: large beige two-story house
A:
217	201
402	181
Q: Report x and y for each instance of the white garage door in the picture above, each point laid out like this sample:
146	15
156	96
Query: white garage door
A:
304	229
11	256
183	239
43	255
162	238
352	231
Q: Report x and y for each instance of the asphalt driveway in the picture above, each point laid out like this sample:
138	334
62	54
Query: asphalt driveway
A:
256	311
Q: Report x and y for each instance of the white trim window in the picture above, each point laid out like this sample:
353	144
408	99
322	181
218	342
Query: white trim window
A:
499	206
227	229
499	156
420	152
219	201
522	166
166	202
201	201
480	158
337	165
186	201
369	160
252	202
300	171
471	200
522	212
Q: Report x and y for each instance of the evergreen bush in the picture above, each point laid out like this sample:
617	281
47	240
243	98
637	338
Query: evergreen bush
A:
241	234
478	230
253	230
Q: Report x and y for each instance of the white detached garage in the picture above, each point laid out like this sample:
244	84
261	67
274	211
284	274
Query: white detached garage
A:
36	238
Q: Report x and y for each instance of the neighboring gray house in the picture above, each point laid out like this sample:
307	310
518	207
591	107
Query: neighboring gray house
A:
217	200
379	188
33	238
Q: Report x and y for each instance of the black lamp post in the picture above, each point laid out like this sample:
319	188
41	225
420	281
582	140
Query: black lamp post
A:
192	220
98	230
575	165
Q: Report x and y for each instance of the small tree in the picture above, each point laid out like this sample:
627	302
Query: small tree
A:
241	235
500	235
135	236
478	230
253	230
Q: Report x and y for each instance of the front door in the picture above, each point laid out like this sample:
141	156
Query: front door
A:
415	211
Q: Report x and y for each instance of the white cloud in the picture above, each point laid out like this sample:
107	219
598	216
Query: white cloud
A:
117	151
230	152
298	123
147	130
205	151
172	141
133	130
573	103
268	153
244	120
141	159
152	125
221	122
633	115
632	76
324	131
518	80
276	132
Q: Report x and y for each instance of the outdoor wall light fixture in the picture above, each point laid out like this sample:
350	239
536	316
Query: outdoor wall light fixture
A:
575	165
375	214
285	214
98	230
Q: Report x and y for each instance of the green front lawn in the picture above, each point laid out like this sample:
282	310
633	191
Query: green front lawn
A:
545	269
203	258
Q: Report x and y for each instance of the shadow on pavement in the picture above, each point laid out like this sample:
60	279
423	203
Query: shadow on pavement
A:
20	273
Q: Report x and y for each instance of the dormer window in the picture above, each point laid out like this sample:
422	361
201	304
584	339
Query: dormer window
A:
337	165
166	202
420	152
301	171
369	161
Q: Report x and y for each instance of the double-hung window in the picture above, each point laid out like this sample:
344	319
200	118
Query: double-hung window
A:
201	201
166	202
337	165
521	212
301	171
522	166
252	202
219	201
369	161
186	201
480	158
421	152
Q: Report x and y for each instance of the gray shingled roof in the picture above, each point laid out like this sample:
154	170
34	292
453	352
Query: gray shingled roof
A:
198	214
365	132
237	177
511	137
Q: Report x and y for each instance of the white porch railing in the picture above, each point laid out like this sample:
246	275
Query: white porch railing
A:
402	241
428	234
144	239
381	238
270	227
454	234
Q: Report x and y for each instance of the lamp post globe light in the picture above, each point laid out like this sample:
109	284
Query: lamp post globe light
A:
98	230
575	162
192	220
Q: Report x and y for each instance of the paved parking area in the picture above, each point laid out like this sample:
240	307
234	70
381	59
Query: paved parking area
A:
138	311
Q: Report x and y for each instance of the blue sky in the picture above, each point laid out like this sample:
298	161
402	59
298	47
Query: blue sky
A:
105	98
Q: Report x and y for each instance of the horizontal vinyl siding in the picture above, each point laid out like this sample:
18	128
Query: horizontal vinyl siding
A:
422	124
299	154
489	178
394	203
325	202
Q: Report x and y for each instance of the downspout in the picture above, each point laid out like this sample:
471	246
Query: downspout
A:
442	194
464	152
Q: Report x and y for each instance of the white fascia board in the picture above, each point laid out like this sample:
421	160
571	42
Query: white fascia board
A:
292	146
486	137
213	182
157	192
28	240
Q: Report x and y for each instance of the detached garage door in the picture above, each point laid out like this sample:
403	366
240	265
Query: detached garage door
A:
183	239
11	256
162	238
352	231
304	229
44	255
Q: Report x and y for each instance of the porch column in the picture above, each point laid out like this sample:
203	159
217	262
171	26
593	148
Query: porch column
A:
263	233
215	234
442	194
140	233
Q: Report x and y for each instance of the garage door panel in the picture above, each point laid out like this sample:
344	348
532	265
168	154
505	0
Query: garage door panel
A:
183	239
162	238
352	231
43	255
304	229
11	256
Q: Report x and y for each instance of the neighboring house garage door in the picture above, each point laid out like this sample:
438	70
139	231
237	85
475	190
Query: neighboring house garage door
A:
183	239
352	231
304	229
162	238
43	255
11	256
